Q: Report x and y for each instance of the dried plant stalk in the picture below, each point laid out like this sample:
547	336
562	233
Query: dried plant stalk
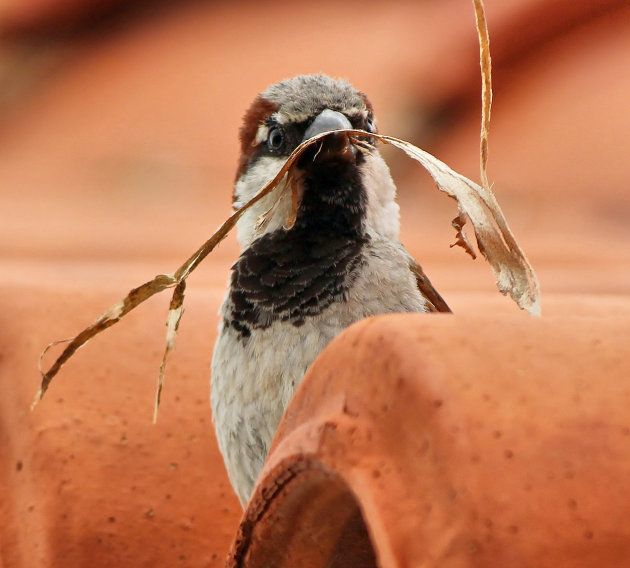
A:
161	282
486	86
175	311
109	318
494	239
517	289
493	236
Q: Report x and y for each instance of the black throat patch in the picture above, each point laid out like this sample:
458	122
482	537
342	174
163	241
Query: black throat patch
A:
295	274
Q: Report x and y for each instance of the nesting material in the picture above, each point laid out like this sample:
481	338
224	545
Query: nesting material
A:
476	203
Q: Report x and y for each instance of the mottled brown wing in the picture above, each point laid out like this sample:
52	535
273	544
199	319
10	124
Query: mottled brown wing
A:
435	302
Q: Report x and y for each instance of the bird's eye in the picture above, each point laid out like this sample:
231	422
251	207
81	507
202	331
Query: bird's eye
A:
275	140
369	124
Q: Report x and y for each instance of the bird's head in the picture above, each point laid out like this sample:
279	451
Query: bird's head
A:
330	171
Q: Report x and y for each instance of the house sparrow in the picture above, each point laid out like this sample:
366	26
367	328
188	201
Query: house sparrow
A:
292	290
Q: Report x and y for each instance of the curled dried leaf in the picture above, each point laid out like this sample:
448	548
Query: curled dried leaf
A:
486	86
460	237
494	239
521	284
290	221
138	295
477	203
133	299
515	275
175	311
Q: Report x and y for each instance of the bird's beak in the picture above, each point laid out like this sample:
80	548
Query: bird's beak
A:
336	147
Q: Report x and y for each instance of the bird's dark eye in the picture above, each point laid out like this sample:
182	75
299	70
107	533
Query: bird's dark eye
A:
275	140
369	124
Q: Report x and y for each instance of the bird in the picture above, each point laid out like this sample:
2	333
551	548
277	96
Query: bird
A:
296	286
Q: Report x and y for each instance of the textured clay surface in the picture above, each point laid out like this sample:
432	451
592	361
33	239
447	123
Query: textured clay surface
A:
452	441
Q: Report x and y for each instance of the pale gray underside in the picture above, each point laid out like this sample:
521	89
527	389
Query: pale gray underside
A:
254	380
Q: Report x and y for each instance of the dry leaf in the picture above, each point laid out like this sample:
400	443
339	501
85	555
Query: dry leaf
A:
109	318
486	86
175	311
494	239
477	203
460	237
161	282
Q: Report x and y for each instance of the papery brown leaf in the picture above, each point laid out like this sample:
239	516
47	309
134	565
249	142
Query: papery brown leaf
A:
290	221
486	87
134	298
460	237
494	239
138	295
477	203
175	311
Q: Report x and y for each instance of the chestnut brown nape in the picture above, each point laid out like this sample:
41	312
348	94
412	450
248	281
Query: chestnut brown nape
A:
259	110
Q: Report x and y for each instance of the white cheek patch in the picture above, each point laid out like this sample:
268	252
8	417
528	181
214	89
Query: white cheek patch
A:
247	186
383	212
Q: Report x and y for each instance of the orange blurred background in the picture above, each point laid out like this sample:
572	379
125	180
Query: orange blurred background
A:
118	146
118	131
